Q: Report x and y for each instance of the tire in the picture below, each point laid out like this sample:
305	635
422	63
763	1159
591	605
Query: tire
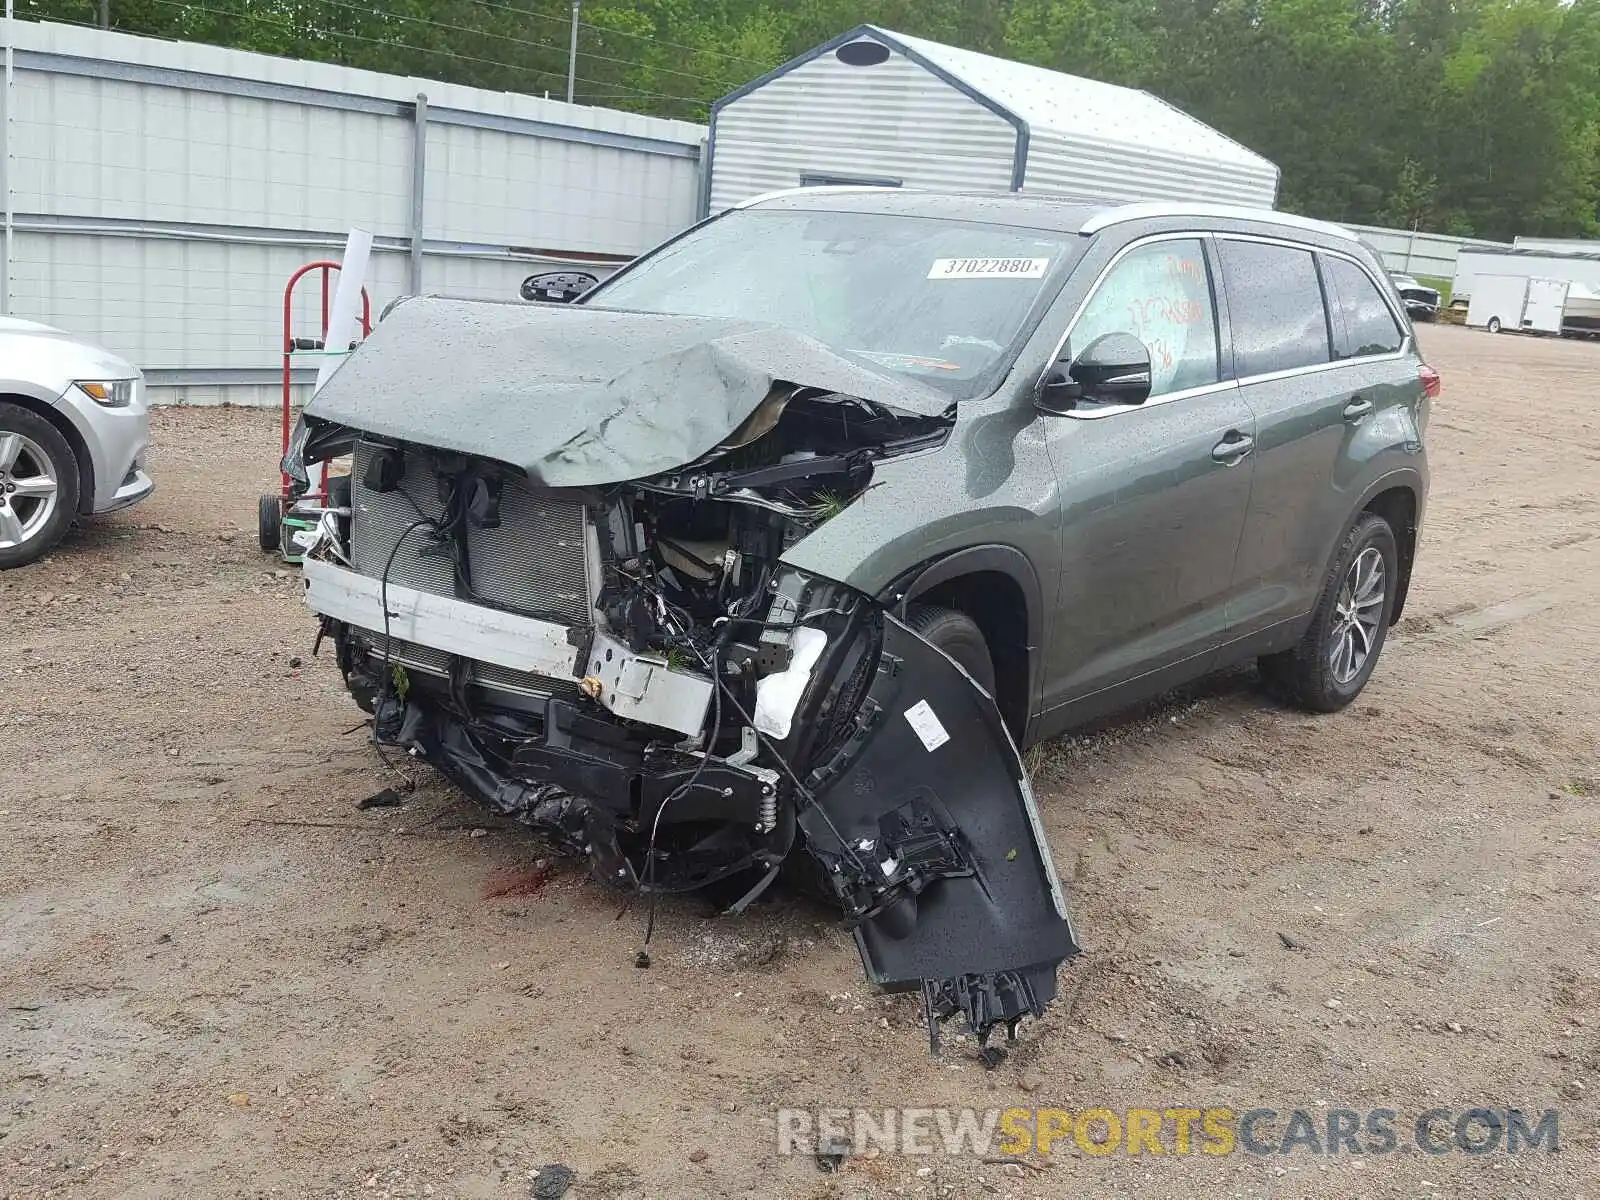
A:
958	636
269	523
1494	325
1327	670
39	486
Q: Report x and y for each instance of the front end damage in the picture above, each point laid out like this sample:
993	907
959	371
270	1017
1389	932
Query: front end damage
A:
630	667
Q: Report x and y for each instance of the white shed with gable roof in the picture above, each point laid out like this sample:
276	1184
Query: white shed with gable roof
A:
876	107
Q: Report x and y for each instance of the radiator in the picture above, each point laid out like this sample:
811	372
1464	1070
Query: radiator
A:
536	563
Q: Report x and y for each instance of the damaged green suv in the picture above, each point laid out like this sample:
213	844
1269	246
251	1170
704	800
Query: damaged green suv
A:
776	546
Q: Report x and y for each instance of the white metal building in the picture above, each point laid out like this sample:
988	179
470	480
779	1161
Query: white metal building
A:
1568	266
1412	252
159	194
872	106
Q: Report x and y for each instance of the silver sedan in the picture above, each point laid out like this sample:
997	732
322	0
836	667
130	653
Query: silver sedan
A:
74	429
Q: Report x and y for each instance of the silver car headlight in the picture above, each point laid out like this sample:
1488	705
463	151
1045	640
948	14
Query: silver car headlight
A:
108	393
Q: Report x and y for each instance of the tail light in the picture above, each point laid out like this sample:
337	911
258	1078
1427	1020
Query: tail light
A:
1431	383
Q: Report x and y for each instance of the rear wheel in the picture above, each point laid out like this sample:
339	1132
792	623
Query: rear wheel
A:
38	486
1336	657
1494	325
958	636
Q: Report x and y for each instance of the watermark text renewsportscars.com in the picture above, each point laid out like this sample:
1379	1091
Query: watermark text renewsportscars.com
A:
1177	1130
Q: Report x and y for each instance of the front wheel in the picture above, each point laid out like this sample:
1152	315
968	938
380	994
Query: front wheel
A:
38	486
1494	325
957	635
1336	657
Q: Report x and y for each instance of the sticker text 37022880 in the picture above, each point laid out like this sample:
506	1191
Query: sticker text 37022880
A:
988	268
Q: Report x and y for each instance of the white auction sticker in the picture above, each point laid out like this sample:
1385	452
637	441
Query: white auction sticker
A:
927	725
988	268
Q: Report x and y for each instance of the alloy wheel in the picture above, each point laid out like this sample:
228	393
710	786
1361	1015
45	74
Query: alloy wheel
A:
1357	613
29	489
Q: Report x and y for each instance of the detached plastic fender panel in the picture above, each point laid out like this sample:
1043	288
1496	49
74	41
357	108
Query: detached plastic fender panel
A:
932	840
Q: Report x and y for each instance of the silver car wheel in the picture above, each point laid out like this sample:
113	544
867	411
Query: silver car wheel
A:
1356	616
29	489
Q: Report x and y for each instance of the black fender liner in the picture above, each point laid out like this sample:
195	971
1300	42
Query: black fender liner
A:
1412	481
931	838
974	560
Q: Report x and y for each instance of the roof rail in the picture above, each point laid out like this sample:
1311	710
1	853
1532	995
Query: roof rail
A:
831	189
1142	211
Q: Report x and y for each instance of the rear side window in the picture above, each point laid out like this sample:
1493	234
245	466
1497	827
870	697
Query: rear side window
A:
1274	307
1367	326
1160	293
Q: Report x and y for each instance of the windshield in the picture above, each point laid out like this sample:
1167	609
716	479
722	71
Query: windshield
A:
948	302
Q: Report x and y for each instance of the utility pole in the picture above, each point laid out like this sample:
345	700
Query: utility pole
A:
105	14
6	121
572	52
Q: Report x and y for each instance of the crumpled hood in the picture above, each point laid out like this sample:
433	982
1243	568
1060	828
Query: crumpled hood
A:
578	396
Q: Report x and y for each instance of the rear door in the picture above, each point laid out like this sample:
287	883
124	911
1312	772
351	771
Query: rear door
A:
1497	302
1321	354
1547	303
1154	495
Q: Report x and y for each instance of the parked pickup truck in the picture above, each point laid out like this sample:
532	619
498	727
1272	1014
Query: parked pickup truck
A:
1421	302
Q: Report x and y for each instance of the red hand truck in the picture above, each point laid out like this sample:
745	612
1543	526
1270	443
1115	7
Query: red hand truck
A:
274	508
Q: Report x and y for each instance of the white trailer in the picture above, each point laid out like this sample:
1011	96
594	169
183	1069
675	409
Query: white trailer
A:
1574	266
1560	245
1518	303
881	108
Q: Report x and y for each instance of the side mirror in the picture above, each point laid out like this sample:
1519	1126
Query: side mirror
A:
1113	369
1059	392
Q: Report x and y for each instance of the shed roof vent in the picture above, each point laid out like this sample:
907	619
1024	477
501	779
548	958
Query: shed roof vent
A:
864	53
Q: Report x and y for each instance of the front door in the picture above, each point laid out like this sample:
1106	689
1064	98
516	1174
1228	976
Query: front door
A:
1154	495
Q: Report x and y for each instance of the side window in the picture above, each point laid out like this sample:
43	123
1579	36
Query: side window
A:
1275	307
1369	326
1160	293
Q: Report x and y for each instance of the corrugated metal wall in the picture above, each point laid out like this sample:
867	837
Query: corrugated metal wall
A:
1414	253
1077	166
161	193
891	122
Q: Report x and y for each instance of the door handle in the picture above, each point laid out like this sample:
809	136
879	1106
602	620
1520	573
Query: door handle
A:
1357	408
1233	448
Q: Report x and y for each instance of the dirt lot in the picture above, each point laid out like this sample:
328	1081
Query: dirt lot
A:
218	978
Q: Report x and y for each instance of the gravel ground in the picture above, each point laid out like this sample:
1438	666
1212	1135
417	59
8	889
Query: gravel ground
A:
218	978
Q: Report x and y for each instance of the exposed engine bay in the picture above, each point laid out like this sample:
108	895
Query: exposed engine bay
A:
630	667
